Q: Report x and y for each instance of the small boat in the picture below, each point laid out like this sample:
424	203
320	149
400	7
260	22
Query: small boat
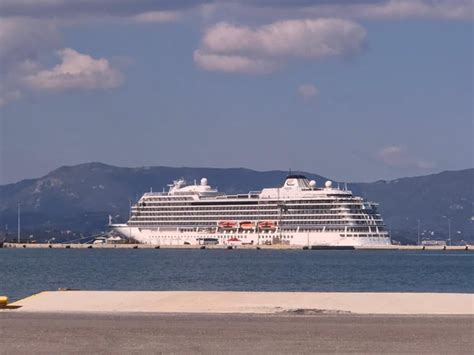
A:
266	225
247	225
227	224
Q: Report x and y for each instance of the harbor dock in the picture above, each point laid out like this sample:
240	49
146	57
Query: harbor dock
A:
213	302
244	247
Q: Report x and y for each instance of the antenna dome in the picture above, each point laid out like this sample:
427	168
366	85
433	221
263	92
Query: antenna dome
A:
203	181
312	183
328	184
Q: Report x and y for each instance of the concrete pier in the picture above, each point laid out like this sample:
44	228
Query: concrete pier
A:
238	322
211	302
66	333
241	247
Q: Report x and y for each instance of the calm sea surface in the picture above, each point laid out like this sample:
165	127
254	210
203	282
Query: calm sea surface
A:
27	271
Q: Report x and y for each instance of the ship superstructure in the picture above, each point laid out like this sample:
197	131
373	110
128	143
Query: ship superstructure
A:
297	213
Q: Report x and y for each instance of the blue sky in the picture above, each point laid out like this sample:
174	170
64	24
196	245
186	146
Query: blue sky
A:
356	92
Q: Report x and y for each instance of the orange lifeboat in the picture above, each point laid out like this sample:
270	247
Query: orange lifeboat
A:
227	224
266	225
246	225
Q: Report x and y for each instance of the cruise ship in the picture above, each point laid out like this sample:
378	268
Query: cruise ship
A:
297	213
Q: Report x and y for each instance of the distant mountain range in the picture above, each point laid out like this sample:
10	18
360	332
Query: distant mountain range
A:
78	199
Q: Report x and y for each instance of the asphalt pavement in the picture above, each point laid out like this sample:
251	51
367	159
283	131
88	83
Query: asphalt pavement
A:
231	333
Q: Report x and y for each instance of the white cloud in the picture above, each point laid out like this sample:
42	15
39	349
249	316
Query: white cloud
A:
29	36
399	157
448	10
457	10
308	91
454	10
74	9
22	43
233	63
156	16
291	38
29	33
22	39
270	45
76	71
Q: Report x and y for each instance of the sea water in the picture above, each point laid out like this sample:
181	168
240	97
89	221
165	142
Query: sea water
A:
27	271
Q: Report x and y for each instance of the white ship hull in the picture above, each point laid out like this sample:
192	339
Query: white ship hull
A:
298	213
157	237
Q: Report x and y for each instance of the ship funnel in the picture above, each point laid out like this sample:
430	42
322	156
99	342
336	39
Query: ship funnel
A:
296	181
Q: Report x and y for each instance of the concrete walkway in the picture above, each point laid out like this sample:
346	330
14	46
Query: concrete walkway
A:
247	302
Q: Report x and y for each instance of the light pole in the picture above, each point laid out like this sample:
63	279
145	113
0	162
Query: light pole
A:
419	234
449	231
19	211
